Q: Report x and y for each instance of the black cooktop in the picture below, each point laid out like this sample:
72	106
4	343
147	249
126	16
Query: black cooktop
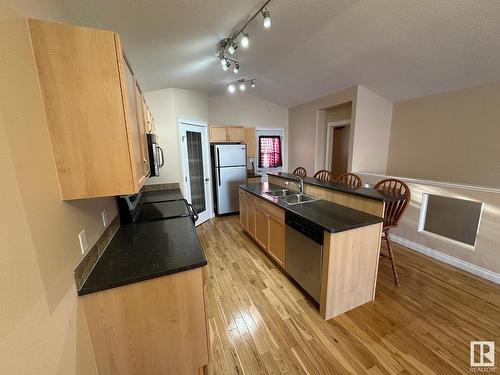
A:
150	211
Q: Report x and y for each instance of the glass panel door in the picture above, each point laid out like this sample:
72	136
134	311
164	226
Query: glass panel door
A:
196	176
195	162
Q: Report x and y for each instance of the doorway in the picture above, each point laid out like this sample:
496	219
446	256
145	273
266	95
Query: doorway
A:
337	150
196	168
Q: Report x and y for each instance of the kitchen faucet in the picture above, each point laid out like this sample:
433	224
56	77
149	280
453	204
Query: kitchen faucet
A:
299	185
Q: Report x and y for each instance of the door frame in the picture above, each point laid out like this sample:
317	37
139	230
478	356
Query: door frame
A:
329	140
206	161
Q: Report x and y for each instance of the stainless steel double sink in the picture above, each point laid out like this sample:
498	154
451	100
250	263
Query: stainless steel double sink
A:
290	197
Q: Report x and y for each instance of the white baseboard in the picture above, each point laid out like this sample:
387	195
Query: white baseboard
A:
463	265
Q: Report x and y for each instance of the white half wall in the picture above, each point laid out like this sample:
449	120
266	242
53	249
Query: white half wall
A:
249	111
371	133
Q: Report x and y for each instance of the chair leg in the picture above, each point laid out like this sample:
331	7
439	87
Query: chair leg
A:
391	256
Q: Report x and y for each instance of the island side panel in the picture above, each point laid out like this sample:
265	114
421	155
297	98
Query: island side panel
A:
349	273
156	326
368	205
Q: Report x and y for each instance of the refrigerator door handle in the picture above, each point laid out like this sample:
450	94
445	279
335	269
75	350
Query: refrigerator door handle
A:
218	164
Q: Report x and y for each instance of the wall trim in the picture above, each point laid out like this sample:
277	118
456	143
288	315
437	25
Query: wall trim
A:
486	189
459	263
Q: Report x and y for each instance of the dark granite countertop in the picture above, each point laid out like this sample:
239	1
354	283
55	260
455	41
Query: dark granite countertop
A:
251	174
145	251
332	217
161	195
362	191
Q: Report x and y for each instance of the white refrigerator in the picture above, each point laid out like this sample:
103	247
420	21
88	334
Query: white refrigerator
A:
229	166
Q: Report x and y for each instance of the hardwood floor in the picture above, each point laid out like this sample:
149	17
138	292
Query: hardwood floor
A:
261	324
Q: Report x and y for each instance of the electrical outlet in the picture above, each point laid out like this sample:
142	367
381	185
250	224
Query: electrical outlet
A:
104	216
82	237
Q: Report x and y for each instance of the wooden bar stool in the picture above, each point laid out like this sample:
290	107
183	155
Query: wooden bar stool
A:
393	212
300	171
323	175
349	179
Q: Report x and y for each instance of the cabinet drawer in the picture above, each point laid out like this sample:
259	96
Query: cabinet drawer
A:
271	209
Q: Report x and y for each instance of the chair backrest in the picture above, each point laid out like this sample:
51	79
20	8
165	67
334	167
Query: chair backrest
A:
349	179
300	171
394	210
323	175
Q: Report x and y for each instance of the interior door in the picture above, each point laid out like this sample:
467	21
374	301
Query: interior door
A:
196	169
340	152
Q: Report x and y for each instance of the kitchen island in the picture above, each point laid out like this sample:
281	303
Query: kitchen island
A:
351	244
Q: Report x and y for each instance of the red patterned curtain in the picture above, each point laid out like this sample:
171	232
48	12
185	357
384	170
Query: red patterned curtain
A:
270	151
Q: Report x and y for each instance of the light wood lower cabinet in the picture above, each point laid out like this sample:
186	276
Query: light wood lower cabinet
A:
276	245
264	222
261	227
157	326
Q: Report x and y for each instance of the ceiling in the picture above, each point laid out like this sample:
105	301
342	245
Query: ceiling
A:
398	48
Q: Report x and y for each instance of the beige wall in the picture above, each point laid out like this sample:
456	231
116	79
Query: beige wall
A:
339	113
485	253
307	129
369	131
42	327
250	111
453	136
167	106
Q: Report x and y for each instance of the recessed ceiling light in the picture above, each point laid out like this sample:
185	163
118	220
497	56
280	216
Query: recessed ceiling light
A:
231	88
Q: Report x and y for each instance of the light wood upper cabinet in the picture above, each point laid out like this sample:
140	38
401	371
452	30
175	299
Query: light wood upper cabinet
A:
251	142
89	100
276	246
218	134
236	134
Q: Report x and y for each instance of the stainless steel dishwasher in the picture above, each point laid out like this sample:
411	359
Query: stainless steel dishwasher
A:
304	253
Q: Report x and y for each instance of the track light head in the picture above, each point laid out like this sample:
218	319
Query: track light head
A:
231	88
223	60
232	48
267	18
252	83
243	86
236	68
245	41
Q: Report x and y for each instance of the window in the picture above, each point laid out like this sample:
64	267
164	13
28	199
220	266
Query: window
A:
450	218
270	151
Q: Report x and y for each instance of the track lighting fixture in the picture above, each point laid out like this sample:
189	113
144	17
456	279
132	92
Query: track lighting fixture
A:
242	85
231	44
267	18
